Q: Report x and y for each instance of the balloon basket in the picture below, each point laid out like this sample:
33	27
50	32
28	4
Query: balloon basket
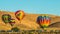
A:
45	28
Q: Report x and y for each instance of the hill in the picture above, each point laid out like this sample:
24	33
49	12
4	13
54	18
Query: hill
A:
27	23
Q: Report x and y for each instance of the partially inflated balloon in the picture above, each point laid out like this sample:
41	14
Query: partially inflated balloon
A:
44	21
19	14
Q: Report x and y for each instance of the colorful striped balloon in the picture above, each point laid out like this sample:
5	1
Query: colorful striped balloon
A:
44	21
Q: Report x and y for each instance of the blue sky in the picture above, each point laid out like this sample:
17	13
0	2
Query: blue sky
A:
32	6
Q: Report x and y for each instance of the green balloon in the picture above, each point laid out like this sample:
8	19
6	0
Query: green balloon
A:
6	18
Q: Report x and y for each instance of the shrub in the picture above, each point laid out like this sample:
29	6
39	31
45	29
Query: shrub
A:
15	29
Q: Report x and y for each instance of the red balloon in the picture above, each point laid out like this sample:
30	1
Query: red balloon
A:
12	22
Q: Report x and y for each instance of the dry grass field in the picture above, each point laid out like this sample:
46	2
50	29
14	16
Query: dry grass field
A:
28	22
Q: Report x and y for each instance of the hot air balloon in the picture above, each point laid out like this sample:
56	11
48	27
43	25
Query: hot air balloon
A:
43	21
12	22
19	15
6	18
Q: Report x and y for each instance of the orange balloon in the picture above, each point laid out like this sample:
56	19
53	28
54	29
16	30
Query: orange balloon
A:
19	14
44	21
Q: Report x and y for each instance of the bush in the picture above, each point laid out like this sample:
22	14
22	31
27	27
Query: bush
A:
9	30
2	31
15	29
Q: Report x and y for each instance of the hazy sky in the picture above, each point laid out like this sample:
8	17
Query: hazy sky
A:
32	6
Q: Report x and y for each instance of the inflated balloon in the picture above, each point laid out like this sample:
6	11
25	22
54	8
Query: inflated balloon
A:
12	22
19	14
6	18
44	21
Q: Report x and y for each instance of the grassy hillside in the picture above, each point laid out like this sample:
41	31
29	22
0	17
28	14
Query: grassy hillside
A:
28	23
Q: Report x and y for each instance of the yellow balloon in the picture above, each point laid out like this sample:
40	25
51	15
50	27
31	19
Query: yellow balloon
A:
20	14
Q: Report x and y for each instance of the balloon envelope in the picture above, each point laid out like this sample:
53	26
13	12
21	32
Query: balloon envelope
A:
12	22
6	18
19	14
44	21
